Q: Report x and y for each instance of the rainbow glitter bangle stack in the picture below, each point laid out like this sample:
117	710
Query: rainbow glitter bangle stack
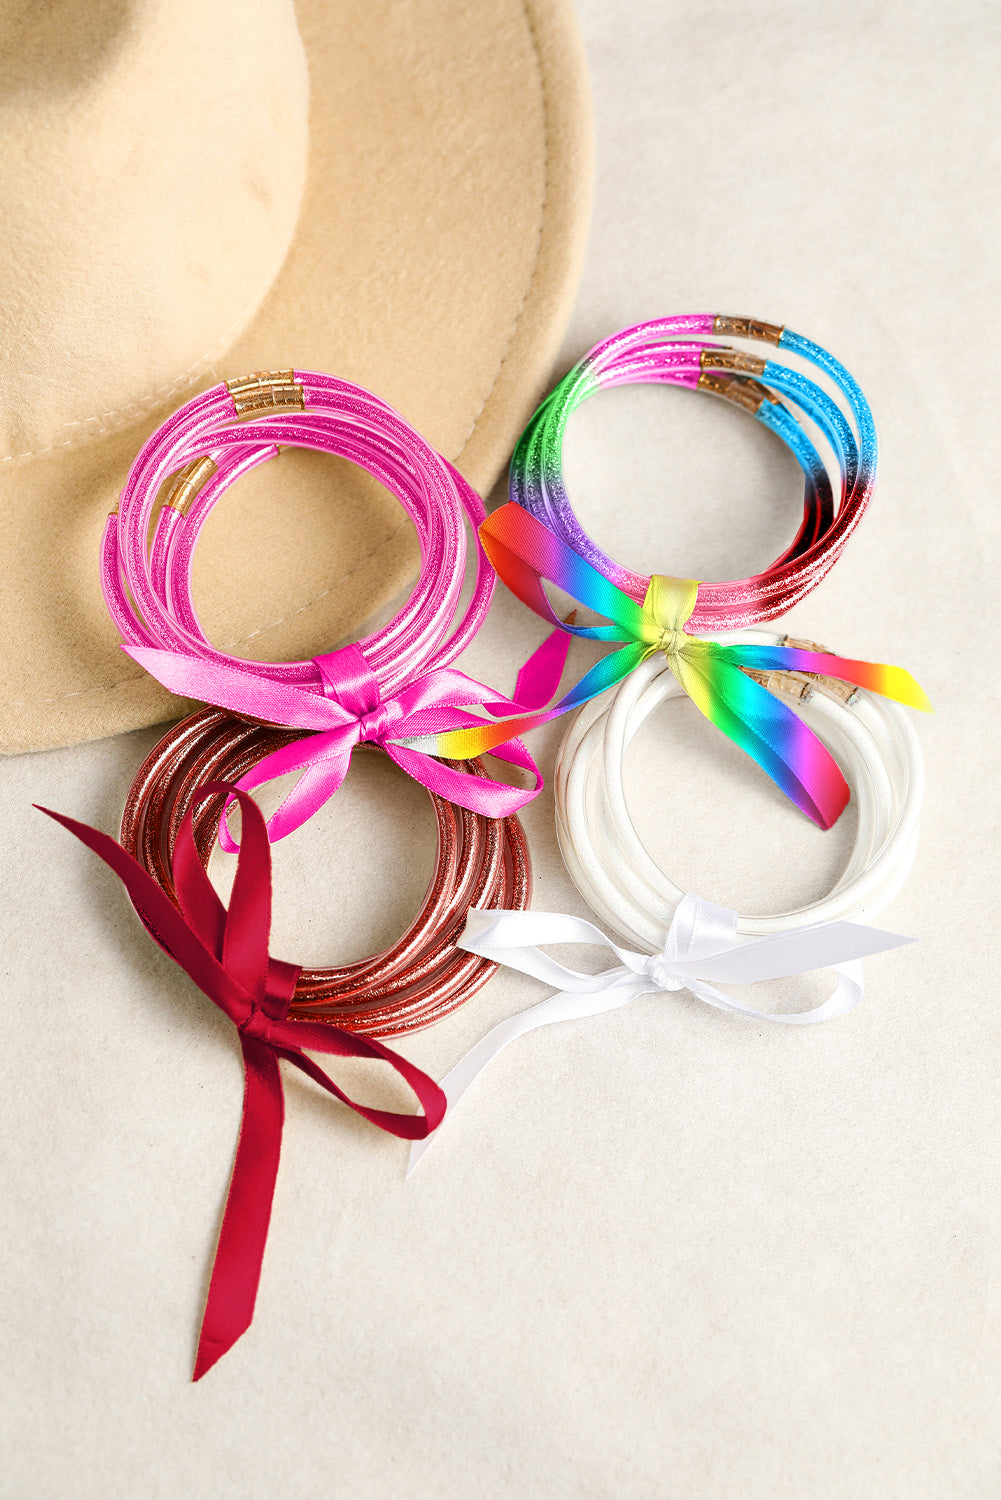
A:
537	539
680	351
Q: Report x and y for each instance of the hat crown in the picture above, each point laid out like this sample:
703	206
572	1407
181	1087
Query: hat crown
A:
152	167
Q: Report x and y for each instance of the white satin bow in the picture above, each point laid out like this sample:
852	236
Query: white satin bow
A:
701	950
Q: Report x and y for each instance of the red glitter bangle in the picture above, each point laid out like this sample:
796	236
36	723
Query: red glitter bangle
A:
480	862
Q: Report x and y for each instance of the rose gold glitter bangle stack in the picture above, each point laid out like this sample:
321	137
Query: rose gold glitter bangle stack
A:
480	862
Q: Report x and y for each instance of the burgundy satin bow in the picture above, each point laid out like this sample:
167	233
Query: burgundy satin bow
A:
413	724
225	952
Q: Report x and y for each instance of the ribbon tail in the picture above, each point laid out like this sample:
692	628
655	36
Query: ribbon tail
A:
230	687
620	988
603	675
764	728
875	676
539	678
799	951
323	760
236	1271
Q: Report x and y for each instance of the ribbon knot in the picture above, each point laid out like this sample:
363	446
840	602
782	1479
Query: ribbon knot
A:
714	674
671	642
668	604
662	974
225	952
701	949
374	728
258	1025
346	678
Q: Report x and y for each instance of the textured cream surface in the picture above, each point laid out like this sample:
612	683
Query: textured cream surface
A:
152	166
659	1255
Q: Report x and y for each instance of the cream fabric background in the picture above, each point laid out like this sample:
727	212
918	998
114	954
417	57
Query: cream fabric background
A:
660	1254
435	260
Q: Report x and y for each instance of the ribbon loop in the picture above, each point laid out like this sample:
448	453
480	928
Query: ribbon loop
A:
345	676
225	952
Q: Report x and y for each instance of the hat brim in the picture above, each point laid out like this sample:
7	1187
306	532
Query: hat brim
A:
435	261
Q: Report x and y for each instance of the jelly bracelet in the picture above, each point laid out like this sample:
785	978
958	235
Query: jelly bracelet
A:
218	436
719	675
686	943
682	351
871	737
225	952
396	683
479	861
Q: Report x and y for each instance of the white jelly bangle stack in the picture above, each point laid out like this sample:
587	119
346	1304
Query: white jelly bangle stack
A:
871	737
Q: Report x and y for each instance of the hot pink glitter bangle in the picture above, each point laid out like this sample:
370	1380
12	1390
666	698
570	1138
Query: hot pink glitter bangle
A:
223	433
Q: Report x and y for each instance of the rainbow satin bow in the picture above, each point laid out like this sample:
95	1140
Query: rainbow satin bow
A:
225	952
412	725
713	674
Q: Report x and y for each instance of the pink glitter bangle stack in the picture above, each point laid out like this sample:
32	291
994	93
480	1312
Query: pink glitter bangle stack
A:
396	688
224	433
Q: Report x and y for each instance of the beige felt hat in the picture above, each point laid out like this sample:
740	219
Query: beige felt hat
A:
393	191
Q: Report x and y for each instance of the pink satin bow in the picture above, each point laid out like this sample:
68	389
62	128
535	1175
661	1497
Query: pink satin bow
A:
350	709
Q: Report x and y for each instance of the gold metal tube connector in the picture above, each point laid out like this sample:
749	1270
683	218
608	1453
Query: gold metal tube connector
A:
732	359
792	684
266	390
187	482
763	392
846	692
744	393
748	328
